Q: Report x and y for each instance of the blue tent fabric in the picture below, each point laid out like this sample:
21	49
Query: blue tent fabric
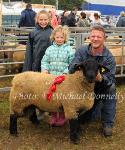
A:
105	9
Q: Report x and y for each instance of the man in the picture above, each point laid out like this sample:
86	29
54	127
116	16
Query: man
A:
105	102
121	20
27	18
71	19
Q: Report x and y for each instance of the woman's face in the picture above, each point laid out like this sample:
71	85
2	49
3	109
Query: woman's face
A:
43	20
59	38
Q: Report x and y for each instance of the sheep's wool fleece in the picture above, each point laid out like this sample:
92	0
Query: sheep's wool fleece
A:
30	88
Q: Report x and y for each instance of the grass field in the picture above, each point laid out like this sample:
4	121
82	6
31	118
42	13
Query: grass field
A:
43	137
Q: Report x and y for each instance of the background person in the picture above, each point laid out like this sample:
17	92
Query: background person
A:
83	22
27	18
71	18
64	17
96	20
53	19
121	20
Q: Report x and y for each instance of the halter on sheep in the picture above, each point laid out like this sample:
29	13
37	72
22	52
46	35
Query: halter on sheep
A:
27	94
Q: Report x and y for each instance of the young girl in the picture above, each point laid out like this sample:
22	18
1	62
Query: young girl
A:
38	42
56	60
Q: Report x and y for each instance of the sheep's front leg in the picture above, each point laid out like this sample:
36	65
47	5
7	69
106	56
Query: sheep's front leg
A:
13	124
70	112
74	130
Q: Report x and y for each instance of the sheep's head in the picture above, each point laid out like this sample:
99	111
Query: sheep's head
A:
90	69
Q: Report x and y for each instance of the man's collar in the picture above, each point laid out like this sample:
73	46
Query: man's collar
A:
100	53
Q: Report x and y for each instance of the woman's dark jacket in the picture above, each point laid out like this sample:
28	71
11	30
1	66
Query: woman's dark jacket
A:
38	42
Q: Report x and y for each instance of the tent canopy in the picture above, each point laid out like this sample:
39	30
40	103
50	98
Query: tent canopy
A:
106	7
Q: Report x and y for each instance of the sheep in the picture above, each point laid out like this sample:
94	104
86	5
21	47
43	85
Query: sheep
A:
29	90
14	56
7	55
18	56
117	53
119	56
2	70
1	54
9	46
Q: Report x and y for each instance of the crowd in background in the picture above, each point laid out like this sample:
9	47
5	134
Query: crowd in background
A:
87	20
73	18
82	19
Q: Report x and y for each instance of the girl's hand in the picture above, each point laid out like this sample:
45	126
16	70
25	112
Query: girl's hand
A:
46	71
64	74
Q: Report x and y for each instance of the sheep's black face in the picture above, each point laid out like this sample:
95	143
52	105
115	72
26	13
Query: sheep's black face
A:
90	70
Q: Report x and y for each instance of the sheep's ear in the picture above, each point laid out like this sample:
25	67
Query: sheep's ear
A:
103	69
78	66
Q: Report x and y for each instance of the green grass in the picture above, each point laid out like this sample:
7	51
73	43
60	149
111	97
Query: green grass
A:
44	137
4	107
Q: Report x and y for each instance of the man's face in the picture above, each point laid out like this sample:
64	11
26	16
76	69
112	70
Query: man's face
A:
97	39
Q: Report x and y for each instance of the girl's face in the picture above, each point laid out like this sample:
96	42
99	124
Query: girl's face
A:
43	20
59	38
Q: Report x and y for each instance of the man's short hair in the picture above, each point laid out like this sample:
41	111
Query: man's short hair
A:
98	27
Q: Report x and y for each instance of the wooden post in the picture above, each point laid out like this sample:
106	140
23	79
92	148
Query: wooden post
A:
57	3
1	3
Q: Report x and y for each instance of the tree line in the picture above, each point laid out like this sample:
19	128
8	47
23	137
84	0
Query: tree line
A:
62	4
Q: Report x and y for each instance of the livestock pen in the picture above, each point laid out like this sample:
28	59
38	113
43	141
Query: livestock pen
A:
43	137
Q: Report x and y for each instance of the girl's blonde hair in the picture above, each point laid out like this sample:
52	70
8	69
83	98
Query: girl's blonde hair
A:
42	12
62	29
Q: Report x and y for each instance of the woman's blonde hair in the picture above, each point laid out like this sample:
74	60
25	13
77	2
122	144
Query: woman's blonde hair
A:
41	12
62	29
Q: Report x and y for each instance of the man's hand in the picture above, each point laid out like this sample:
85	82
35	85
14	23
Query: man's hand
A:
99	77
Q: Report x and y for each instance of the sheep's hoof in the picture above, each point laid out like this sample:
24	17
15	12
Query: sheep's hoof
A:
14	134
75	139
